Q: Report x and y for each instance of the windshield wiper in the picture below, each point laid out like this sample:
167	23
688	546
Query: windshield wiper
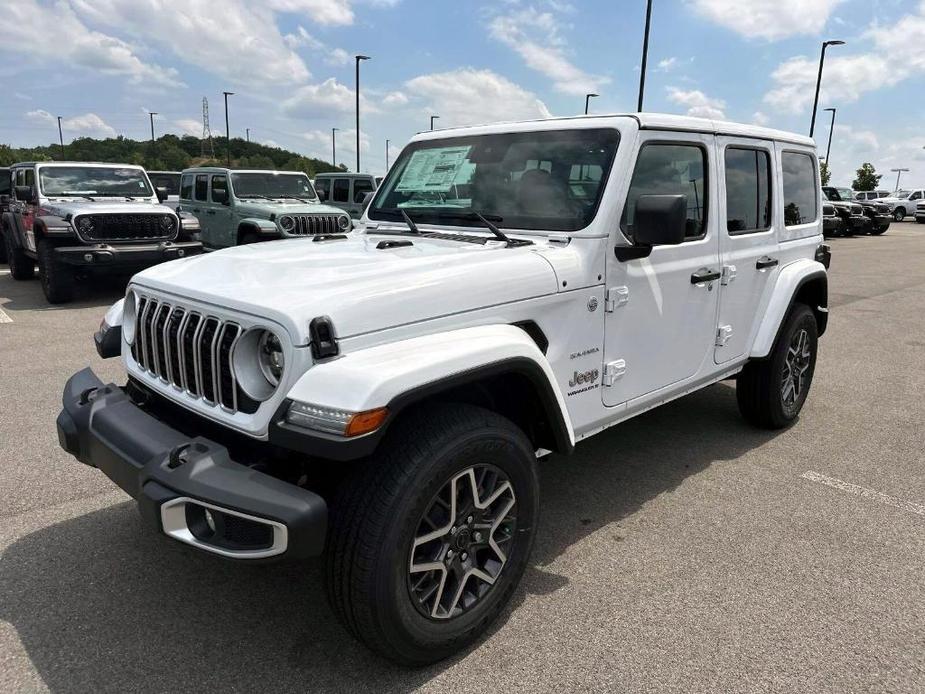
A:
470	213
77	195
410	222
254	195
293	197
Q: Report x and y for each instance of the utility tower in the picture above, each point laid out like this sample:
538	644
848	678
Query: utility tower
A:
206	131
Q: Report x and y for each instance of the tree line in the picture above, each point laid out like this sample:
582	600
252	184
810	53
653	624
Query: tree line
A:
169	153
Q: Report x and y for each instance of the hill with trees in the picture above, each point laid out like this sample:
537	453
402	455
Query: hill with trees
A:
169	153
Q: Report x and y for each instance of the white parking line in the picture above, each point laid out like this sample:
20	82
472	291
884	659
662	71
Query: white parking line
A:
4	318
864	492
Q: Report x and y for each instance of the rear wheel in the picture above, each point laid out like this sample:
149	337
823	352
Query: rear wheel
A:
57	278
22	267
899	214
429	540
771	392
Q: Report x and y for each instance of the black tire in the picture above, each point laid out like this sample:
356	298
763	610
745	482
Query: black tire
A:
2	247
920	220
22	267
899	214
379	511
879	231
760	387
248	238
57	278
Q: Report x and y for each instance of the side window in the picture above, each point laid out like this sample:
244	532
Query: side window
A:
917	195
800	182
219	189
323	186
186	187
361	187
670	169
748	190
341	190
5	182
202	187
29	177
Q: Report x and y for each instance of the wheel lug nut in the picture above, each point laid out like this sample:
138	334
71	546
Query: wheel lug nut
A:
478	537
469	520
464	556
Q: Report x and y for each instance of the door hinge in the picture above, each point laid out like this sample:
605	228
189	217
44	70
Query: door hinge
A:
613	371
616	297
729	274
723	335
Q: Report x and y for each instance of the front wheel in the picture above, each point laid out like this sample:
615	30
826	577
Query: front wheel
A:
57	278
877	231
899	214
429	540
771	392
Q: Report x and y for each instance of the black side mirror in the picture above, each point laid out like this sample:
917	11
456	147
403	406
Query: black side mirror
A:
161	193
4	199
25	193
220	196
660	220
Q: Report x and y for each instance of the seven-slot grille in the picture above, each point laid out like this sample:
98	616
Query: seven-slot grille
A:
128	227
190	350
312	224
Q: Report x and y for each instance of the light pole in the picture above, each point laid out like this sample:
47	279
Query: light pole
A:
247	134
828	148
151	115
432	119
645	54
227	131
358	59
899	172
587	99
825	44
334	147
60	137
387	155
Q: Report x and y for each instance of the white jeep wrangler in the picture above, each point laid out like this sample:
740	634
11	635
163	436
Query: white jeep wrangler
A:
381	396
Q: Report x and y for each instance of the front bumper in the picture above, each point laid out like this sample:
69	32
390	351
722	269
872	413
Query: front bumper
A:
188	488
858	221
833	225
138	256
881	220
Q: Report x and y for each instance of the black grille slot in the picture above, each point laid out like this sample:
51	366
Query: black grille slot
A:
312	224
127	227
190	351
247	533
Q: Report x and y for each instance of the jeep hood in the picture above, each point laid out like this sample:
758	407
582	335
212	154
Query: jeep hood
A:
64	207
264	209
362	288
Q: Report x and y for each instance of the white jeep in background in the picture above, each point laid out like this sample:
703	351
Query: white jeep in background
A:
381	397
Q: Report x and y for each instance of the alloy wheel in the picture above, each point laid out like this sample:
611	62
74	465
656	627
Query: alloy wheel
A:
796	364
462	543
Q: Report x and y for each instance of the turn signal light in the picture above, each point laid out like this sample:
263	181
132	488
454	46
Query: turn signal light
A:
365	422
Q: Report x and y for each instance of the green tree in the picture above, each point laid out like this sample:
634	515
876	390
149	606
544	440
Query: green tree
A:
867	177
824	173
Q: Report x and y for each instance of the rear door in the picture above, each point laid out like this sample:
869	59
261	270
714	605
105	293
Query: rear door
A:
748	240
361	186
660	314
202	208
340	193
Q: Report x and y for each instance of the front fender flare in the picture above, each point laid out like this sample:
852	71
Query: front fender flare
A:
261	226
786	287
398	374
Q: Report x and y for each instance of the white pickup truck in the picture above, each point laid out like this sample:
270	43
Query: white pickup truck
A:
381	396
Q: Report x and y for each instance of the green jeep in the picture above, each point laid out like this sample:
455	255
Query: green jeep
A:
236	206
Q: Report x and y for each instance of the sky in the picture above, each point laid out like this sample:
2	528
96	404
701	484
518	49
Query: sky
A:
104	64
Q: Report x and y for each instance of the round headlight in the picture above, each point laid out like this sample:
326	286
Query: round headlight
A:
128	318
258	361
343	222
286	223
85	225
168	224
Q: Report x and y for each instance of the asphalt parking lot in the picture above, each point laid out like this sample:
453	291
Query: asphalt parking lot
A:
681	551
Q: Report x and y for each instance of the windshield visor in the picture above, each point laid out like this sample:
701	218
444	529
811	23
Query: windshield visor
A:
94	180
544	181
272	185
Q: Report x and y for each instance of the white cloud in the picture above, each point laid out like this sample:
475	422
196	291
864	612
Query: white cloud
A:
86	125
698	103
329	12
328	97
768	19
760	118
468	96
395	99
534	35
331	56
319	144
26	23
666	64
188	126
238	40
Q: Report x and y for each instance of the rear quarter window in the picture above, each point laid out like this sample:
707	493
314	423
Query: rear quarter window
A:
800	192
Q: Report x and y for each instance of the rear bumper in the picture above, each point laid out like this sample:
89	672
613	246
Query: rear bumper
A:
175	479
138	256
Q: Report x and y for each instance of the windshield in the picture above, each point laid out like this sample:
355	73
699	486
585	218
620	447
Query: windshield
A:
901	194
846	193
94	180
548	180
272	185
170	181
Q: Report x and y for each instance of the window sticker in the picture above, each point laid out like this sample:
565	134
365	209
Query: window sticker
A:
433	169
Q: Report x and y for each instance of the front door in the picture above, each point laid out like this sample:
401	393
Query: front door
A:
219	213
748	240
661	310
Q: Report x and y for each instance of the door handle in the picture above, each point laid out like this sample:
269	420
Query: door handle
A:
210	211
766	261
704	275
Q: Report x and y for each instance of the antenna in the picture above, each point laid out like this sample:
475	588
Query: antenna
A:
206	131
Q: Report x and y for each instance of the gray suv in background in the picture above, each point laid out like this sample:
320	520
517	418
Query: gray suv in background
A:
347	191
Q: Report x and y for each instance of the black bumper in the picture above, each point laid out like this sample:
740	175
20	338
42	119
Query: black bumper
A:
137	256
881	220
156	464
833	225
